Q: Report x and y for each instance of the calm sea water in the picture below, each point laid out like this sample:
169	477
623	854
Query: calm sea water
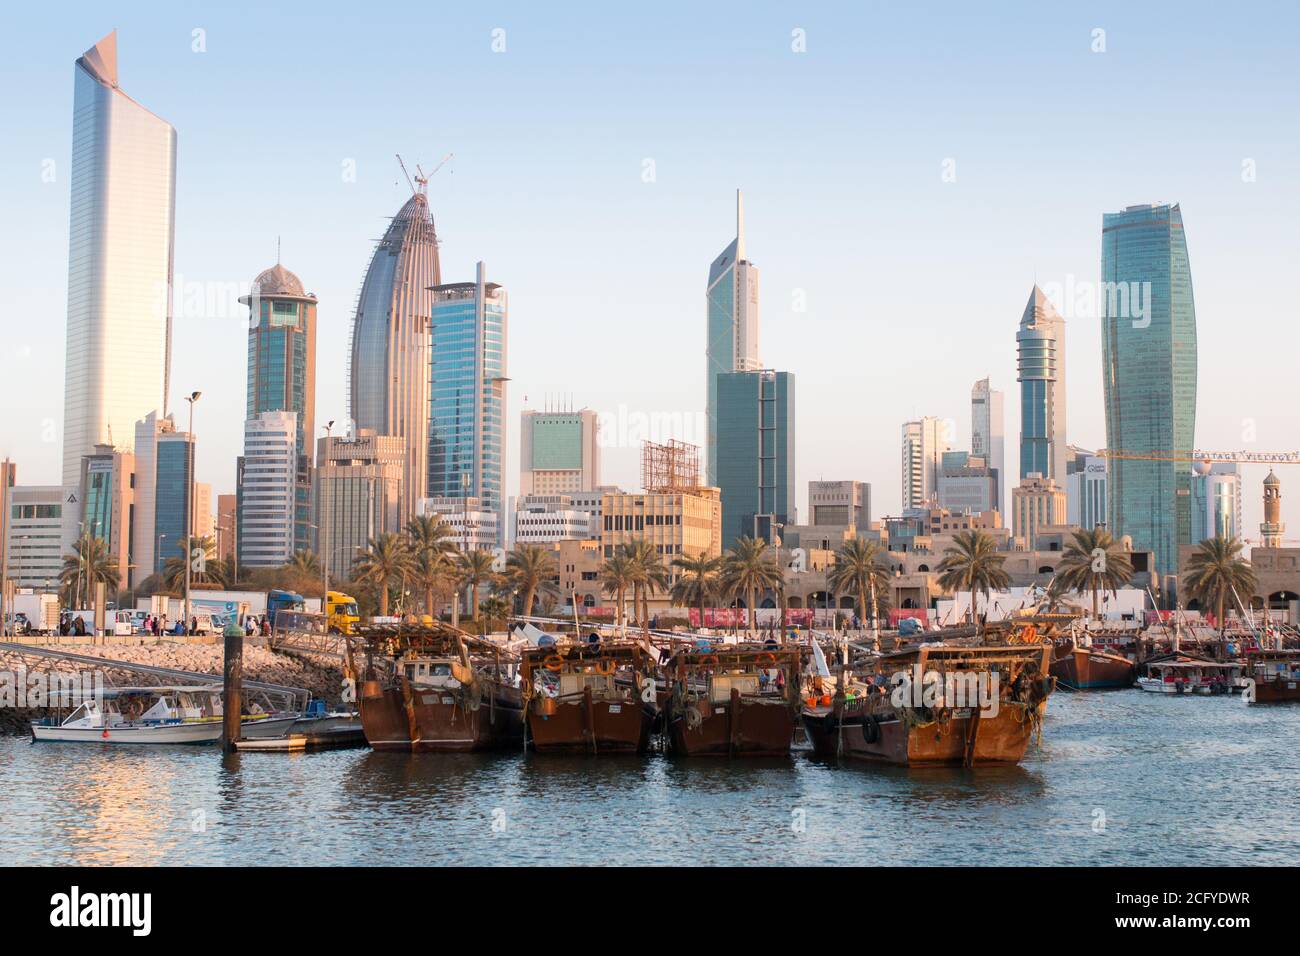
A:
1122	778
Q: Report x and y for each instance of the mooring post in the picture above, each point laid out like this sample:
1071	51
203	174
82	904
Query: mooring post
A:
232	704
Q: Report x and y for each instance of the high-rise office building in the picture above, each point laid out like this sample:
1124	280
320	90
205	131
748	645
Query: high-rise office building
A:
988	434
144	539
266	490
1148	330
173	457
924	442
558	452
42	527
755	454
108	502
1085	490
1035	502
966	483
731	304
358	494
282	373
123	180
1216	501
1040	342
466	437
388	382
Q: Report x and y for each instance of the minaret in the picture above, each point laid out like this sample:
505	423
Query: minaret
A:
1270	532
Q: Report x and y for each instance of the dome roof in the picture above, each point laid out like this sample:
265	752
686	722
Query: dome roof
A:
278	280
1271	481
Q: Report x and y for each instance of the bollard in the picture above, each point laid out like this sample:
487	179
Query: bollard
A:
232	704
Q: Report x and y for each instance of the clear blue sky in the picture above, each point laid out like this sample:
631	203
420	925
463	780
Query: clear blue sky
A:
913	286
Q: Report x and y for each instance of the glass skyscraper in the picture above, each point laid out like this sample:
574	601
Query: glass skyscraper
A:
467	376
1040	342
1148	328
171	497
732	314
123	177
755	465
388	381
282	373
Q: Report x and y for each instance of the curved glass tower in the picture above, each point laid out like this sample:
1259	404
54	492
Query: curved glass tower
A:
1148	334
123	178
388	383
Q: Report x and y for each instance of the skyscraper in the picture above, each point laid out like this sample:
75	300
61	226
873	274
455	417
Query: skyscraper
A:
466	439
123	176
755	454
358	493
144	538
988	434
282	373
266	490
924	443
1216	501
388	383
731	299
559	453
1148	331
1040	342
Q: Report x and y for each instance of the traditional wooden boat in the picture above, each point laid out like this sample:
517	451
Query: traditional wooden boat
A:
733	701
433	687
589	698
934	705
1272	676
1090	668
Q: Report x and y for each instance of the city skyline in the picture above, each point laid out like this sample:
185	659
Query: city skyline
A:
820	455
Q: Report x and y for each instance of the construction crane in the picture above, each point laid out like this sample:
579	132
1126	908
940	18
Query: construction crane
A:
1237	457
421	180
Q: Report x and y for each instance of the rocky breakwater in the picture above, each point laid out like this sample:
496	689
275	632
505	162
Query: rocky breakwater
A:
320	677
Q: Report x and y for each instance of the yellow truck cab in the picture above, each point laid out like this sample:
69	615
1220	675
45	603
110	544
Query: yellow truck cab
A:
340	612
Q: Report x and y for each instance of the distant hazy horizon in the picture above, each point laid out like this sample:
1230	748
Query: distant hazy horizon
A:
908	177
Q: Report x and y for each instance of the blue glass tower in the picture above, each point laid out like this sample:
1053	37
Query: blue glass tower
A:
467	385
755	461
1041	345
1148	328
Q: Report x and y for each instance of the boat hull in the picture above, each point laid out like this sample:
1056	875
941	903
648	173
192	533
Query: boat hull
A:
738	728
1080	668
589	726
1277	691
181	733
422	720
1001	739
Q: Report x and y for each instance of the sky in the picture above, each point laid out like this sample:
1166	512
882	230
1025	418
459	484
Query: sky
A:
909	173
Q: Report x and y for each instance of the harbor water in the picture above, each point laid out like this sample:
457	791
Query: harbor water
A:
1122	778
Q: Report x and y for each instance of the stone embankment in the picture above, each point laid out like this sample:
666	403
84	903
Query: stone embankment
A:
321	677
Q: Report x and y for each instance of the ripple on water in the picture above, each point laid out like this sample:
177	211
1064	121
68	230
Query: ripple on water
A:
1122	778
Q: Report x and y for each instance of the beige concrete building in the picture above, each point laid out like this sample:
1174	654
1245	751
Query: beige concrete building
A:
1037	501
358	493
676	523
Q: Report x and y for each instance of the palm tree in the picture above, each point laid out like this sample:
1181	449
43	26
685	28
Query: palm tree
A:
616	576
474	568
211	570
432	549
973	564
531	569
304	562
648	574
1216	569
88	565
494	609
698	580
859	570
384	561
1094	561
751	567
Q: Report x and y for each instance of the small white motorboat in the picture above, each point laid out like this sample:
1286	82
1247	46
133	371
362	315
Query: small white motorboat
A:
154	715
1187	675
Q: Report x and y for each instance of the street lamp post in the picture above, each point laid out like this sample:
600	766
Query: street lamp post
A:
189	510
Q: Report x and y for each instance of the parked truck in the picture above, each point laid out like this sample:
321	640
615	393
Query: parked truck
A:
341	613
41	611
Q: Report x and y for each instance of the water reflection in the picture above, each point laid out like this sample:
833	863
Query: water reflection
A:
1121	778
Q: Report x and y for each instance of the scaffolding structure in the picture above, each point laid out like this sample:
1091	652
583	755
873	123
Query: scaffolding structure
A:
673	466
